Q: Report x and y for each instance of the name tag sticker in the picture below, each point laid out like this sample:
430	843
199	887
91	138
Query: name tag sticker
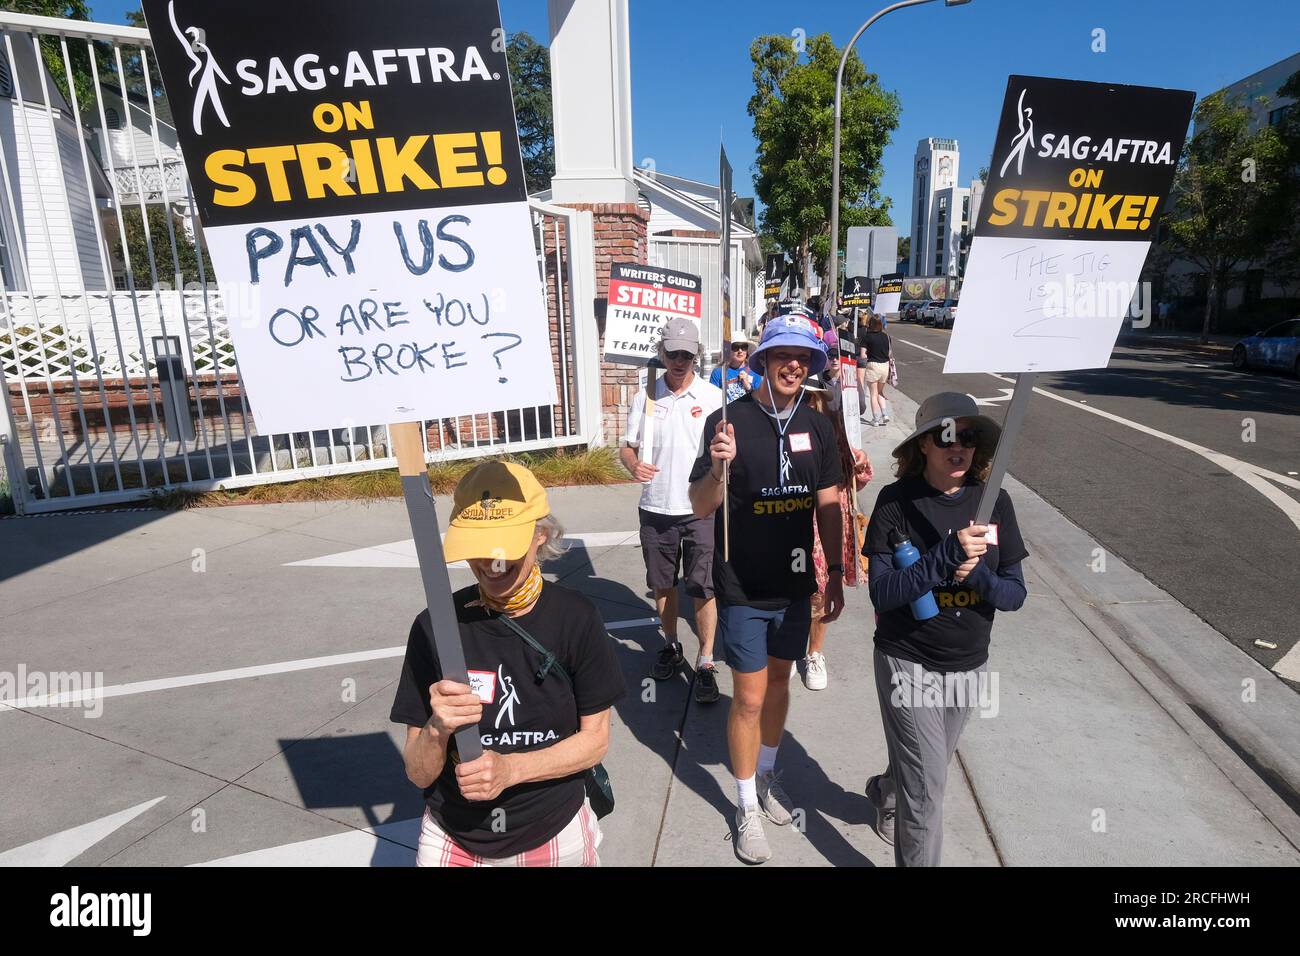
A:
800	441
484	684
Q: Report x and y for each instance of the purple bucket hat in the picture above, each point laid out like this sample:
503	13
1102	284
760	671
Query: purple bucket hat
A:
790	330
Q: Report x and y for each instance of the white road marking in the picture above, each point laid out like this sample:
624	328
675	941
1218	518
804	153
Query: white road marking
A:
76	698
60	849
996	400
401	554
1252	475
389	844
1289	664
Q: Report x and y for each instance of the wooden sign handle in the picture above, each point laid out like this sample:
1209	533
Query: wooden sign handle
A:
423	515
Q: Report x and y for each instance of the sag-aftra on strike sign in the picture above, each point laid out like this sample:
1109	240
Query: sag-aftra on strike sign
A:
357	171
1079	174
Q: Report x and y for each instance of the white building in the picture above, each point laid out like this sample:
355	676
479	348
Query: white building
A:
940	209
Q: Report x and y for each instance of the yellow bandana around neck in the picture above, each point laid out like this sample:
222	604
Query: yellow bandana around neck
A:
524	596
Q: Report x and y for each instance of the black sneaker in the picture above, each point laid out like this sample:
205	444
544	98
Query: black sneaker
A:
670	658
706	684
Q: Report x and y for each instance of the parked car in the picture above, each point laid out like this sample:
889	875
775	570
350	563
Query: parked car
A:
931	311
911	312
948	314
1276	347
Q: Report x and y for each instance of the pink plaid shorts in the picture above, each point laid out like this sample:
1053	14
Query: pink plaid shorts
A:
575	845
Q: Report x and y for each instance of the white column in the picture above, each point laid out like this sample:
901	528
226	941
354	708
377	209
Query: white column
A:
591	100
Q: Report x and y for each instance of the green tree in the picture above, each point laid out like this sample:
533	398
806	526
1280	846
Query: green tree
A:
163	263
1225	207
904	248
52	51
530	82
793	108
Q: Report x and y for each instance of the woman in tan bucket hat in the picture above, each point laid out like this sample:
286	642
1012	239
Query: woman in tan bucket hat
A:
935	614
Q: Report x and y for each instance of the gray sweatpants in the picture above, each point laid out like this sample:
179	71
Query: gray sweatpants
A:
921	731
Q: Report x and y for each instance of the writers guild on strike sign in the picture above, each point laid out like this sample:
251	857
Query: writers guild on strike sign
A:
642	300
1079	174
360	169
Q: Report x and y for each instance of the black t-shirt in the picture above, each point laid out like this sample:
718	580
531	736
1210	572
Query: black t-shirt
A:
876	344
519	714
771	512
958	638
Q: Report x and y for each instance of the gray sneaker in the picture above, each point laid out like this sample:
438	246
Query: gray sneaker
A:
885	809
751	842
773	799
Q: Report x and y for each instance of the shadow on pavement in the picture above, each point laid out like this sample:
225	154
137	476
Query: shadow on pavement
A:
362	770
31	542
659	728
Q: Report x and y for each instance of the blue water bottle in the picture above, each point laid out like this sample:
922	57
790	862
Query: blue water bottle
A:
906	555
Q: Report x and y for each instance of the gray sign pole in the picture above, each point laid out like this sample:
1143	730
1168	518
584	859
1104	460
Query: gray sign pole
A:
423	515
1016	409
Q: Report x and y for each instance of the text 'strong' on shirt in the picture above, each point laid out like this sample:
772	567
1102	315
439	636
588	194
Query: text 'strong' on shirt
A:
958	638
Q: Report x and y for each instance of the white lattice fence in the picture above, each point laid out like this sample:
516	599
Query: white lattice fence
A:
48	336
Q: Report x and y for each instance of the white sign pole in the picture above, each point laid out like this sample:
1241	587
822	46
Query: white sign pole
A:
648	427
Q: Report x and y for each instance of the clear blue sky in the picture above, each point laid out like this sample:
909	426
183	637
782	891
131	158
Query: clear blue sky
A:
691	73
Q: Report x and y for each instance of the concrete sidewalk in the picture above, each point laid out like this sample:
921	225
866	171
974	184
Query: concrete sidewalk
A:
1100	750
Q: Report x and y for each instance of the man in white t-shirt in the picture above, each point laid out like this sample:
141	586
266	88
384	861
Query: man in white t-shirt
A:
671	535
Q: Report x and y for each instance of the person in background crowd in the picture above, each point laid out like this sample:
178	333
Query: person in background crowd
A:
671	535
853	462
539	738
773	310
829	382
784	468
971	571
873	369
740	379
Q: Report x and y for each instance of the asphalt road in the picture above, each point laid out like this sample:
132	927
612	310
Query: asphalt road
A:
1196	529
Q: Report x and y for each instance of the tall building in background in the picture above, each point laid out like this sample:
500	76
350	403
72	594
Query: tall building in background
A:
940	209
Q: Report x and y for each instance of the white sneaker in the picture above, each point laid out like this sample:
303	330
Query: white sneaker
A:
814	674
751	842
773	798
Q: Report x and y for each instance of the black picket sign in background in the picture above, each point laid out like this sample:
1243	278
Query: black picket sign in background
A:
1076	109
210	67
857	292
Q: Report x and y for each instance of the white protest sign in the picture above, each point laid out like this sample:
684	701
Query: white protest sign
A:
888	294
1079	173
642	300
358	175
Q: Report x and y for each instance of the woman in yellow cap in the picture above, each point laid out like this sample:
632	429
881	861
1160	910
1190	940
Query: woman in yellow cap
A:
523	802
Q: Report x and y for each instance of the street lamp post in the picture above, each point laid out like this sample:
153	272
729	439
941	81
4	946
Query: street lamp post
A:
835	156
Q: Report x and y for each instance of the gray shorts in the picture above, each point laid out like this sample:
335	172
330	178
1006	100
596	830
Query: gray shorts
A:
672	541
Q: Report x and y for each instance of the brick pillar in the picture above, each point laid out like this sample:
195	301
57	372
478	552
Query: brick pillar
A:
620	236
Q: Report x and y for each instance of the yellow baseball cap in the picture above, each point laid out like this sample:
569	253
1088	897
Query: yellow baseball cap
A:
495	512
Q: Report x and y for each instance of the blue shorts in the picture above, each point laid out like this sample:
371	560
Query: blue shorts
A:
750	635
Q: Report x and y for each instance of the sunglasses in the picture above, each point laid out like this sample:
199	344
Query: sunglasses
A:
739	347
968	437
680	356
